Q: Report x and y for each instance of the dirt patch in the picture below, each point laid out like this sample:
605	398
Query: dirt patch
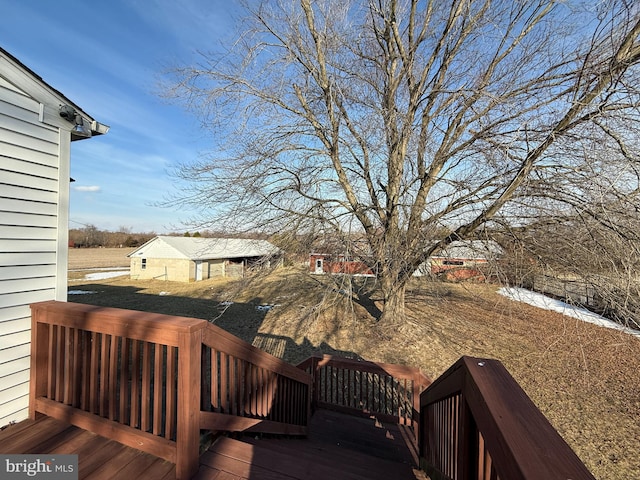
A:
583	377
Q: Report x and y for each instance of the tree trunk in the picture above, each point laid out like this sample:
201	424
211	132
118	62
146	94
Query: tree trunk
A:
393	313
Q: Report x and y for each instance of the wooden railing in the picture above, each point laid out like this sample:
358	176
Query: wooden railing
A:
145	380
388	392
250	390
478	423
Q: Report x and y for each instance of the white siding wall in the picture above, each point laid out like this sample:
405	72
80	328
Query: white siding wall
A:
33	205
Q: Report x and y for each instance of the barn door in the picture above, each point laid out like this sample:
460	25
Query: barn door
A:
319	265
198	270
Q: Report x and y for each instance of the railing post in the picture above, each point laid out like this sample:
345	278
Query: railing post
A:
189	377
315	387
415	414
39	360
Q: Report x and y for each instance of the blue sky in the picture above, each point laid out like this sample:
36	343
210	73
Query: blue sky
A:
108	58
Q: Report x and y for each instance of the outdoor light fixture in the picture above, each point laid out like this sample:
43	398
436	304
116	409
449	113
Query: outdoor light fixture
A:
70	115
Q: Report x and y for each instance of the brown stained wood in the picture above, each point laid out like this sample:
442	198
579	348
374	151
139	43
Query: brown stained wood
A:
128	436
152	327
124	380
38	431
224	341
396	371
238	468
84	377
76	372
68	365
170	402
39	362
145	411
95	454
188	416
52	355
118	462
59	364
222	422
335	449
233	408
248	385
523	443
207	473
14	429
115	465
224	376
215	378
113	378
65	442
103	391
157	390
134	418
94	368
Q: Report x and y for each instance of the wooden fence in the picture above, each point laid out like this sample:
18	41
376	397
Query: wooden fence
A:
388	392
145	380
477	423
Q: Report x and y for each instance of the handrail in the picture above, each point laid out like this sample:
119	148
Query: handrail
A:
387	391
142	379
478	423
251	390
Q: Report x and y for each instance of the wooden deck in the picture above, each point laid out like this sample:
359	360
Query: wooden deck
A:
98	457
339	447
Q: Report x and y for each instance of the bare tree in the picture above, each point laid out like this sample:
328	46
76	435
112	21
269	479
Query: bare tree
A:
413	123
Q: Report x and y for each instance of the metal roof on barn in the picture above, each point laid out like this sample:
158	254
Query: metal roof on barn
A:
199	248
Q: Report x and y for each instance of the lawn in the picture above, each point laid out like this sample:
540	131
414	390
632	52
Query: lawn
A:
583	377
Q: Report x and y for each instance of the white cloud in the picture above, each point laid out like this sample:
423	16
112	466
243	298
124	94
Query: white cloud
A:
87	188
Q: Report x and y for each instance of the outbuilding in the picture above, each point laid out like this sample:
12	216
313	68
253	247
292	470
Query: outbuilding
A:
37	126
465	259
188	259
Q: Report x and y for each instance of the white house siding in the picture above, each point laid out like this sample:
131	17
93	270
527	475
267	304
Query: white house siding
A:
33	230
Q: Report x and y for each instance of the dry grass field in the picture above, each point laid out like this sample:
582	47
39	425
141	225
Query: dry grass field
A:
584	378
86	258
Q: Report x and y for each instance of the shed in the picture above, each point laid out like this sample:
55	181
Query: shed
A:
325	263
188	259
37	126
465	259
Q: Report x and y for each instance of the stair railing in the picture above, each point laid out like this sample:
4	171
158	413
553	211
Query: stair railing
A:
246	389
389	392
477	423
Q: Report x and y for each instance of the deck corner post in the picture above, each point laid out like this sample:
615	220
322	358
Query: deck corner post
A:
188	428
39	361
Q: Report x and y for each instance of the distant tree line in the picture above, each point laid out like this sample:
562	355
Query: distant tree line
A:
91	237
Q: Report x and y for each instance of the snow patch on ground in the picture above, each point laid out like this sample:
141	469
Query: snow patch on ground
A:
547	303
105	275
80	292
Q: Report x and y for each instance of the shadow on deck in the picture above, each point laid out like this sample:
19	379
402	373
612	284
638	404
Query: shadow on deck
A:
339	447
